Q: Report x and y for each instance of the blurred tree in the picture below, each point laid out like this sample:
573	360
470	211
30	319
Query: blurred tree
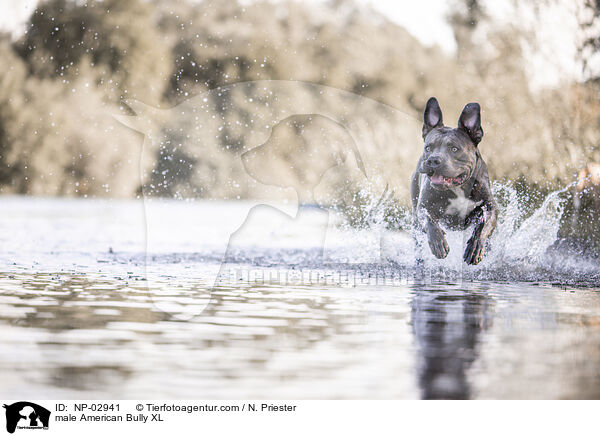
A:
78	58
119	39
590	45
12	82
465	17
61	140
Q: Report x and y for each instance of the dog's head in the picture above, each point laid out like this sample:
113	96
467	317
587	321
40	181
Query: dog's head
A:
450	155
300	150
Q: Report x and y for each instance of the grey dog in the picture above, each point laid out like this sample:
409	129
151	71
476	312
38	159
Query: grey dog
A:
450	187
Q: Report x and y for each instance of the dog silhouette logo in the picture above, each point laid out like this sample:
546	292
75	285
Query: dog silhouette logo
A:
26	415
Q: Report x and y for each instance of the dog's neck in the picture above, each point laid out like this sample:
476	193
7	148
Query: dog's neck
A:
475	174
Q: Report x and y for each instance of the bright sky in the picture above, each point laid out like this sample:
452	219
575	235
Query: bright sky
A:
556	28
424	19
15	13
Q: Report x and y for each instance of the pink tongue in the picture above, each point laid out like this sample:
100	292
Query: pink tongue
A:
436	178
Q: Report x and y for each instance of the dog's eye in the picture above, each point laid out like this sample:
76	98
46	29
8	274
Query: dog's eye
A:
454	149
428	148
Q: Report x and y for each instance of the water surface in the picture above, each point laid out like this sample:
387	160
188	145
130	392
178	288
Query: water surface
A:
100	300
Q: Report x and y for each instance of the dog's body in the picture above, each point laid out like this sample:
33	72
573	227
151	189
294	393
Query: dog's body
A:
450	187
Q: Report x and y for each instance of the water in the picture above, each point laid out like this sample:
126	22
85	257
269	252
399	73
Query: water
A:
104	299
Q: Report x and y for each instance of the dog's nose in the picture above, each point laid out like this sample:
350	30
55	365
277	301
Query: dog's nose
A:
434	162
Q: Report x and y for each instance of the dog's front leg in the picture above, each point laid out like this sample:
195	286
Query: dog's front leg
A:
485	218
437	239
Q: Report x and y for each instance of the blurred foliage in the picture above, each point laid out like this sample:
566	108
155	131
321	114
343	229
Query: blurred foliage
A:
117	39
80	60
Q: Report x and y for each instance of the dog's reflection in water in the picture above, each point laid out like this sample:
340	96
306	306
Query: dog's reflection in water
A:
447	325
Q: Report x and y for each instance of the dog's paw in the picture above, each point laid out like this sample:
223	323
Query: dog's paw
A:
437	242
474	251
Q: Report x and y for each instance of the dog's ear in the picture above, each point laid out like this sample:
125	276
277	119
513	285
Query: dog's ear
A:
432	117
470	122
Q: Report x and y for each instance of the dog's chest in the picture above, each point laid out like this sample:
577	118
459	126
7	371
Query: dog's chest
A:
461	205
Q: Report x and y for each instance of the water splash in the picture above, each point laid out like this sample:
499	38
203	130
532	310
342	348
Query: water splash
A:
523	246
520	240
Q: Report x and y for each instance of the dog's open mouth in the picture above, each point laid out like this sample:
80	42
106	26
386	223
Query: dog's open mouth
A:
438	179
